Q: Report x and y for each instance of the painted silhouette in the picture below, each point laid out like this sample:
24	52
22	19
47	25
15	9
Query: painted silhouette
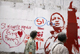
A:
57	23
72	32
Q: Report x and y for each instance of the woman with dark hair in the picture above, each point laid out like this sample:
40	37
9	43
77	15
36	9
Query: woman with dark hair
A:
30	45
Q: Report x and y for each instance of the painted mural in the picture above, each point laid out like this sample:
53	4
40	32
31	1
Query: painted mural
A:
14	32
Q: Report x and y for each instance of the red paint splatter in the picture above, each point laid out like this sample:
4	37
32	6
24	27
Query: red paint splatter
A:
79	45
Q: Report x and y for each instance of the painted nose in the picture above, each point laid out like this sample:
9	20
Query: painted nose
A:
56	21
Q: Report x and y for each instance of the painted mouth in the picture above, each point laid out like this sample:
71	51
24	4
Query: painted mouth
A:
57	24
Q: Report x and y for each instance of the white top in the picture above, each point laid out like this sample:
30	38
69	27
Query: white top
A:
59	48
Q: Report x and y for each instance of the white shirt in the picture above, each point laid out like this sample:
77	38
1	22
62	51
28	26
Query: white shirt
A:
59	48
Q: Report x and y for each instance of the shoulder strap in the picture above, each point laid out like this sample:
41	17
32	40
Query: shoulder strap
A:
56	45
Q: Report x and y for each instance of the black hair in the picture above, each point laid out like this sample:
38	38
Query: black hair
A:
33	34
61	36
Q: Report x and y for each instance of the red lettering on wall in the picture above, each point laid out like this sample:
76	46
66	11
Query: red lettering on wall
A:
25	27
39	39
11	39
36	45
40	34
39	22
13	27
40	28
79	45
3	25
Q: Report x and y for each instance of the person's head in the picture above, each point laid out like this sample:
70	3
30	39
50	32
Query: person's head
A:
33	34
62	37
57	20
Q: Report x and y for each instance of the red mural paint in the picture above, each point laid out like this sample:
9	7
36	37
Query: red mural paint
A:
20	33
36	45
72	41
13	36
55	22
3	25
40	22
78	18
78	37
78	27
40	28
79	45
40	34
39	39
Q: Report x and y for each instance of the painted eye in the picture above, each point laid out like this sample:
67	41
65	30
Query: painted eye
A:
54	18
59	18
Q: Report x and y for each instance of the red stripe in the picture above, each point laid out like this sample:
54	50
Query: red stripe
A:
47	46
0	36
0	43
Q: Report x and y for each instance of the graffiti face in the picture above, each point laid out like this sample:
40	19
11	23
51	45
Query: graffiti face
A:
57	20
